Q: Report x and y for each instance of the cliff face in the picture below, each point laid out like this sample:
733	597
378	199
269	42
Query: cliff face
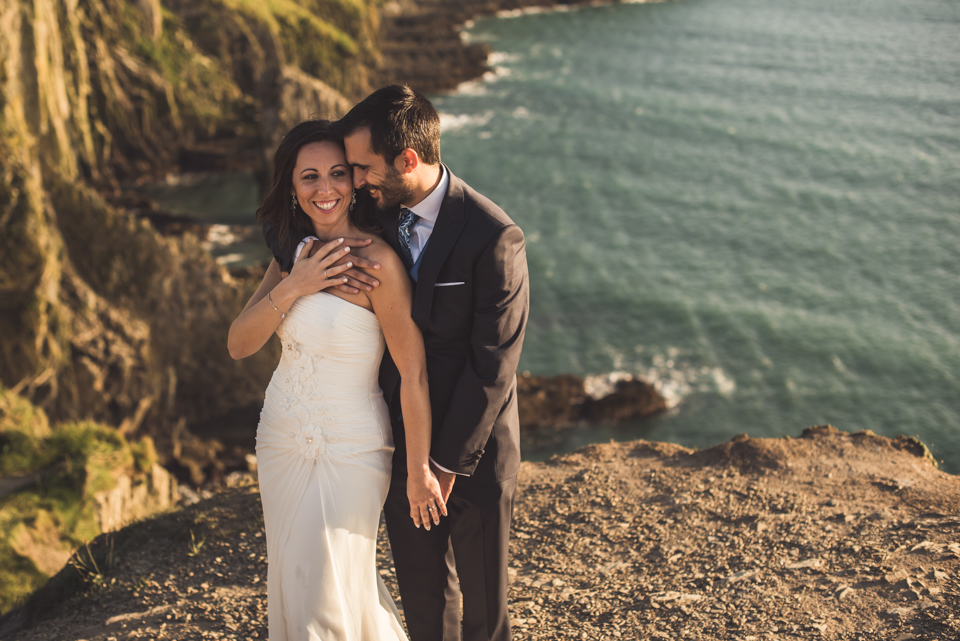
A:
101	317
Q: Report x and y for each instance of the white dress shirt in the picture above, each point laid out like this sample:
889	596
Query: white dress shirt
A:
427	210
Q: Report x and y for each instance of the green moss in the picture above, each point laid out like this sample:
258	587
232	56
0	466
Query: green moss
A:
144	454
52	512
19	577
57	512
17	414
23	430
197	85
91	453
333	40
295	24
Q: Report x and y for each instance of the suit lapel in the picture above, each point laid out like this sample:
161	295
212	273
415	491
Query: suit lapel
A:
449	224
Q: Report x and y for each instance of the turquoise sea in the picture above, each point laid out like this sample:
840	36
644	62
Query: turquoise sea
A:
754	203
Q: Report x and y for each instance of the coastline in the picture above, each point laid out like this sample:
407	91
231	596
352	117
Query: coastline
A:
422	42
169	409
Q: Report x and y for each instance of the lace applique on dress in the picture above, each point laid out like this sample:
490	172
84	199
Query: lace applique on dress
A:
302	398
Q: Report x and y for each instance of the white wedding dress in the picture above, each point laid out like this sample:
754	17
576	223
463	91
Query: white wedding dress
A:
324	449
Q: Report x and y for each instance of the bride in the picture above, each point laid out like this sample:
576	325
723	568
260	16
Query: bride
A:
324	442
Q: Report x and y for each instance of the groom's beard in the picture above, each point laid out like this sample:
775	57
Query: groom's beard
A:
393	191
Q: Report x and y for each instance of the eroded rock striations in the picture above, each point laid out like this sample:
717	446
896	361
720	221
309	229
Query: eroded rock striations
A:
102	317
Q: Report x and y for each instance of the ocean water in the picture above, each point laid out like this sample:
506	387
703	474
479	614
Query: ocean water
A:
755	204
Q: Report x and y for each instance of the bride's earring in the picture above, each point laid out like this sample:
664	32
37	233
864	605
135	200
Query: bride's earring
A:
353	199
293	204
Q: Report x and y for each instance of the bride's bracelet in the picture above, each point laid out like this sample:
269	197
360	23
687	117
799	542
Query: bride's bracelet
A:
270	300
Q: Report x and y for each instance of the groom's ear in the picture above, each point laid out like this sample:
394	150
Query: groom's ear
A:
406	161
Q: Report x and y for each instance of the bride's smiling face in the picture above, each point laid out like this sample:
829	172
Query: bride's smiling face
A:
323	183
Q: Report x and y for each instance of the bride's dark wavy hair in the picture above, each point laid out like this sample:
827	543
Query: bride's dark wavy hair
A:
276	208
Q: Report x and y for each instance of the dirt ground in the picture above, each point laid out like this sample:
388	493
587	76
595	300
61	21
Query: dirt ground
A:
827	536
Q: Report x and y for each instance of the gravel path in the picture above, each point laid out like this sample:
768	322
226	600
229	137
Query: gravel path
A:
827	536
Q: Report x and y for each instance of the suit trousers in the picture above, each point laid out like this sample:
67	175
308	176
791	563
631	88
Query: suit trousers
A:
466	554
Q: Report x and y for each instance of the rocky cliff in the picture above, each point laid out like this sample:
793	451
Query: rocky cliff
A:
103	318
114	332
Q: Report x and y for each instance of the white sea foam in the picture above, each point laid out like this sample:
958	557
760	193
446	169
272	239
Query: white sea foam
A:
479	87
501	58
600	385
563	8
219	236
453	122
672	377
227	259
472	88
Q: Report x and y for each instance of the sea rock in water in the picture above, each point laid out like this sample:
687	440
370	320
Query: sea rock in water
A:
555	401
549	400
630	399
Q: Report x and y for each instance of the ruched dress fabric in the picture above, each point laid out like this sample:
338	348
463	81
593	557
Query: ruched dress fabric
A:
324	448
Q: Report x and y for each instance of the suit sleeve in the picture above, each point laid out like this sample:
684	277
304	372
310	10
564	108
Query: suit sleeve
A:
501	306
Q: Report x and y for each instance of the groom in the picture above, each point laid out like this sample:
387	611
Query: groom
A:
471	300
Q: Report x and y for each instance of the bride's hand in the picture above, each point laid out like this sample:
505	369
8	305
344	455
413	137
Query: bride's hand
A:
360	276
316	272
423	492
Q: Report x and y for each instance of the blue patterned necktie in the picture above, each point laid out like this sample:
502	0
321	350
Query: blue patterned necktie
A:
407	219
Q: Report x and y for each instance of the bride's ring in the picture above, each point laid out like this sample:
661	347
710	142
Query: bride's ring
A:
432	509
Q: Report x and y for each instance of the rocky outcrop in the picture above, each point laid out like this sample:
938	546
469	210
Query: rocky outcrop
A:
559	401
300	97
135	497
551	406
61	486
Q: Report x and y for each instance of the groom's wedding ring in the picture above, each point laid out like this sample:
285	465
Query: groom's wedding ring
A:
324	273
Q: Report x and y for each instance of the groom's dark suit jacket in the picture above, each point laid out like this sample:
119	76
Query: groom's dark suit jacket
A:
471	300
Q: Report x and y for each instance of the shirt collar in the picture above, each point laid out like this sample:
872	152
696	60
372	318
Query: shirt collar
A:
429	208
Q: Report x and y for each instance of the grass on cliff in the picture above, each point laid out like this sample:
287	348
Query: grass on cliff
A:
333	40
43	523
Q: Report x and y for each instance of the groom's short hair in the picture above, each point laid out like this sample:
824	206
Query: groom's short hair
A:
398	118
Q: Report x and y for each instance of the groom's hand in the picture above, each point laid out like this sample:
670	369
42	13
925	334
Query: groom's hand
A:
446	480
357	278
